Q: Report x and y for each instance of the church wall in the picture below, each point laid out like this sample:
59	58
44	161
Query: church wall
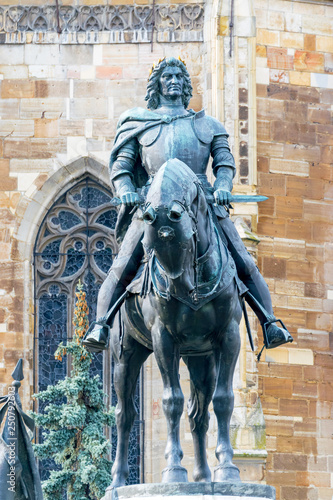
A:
60	101
295	156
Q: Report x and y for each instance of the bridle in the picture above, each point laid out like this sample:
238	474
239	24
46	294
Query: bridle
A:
165	233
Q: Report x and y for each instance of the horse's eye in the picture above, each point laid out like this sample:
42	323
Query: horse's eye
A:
149	215
175	212
173	215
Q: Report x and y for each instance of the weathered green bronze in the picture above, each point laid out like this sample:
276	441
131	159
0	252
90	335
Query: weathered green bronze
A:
182	270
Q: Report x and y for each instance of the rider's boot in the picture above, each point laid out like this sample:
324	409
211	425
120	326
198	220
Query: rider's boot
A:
274	335
97	336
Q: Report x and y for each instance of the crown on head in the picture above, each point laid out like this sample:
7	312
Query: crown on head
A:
159	61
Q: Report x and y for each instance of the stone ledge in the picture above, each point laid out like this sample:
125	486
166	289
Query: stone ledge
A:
182	491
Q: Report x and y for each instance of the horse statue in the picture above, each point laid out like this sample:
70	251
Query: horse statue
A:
183	303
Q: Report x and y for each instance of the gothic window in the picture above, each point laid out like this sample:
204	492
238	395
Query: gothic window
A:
75	241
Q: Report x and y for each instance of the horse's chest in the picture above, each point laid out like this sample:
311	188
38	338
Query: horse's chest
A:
188	326
192	331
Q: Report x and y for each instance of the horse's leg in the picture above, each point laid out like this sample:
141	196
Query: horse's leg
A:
167	357
126	372
202	378
223	401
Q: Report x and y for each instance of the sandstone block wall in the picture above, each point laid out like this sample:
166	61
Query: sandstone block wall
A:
295	160
60	101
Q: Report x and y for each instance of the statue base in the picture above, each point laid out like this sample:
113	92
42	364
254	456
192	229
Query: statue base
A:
187	491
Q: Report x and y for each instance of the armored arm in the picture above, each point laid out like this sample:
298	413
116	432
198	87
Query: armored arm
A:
223	168
122	173
223	185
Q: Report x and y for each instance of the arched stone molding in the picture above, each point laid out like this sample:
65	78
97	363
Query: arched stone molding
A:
30	213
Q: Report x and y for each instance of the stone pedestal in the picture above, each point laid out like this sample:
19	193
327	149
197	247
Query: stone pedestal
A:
193	491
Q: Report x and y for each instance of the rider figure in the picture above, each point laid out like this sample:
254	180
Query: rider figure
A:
145	140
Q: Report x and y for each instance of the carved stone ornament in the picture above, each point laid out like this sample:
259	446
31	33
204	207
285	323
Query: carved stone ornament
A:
125	23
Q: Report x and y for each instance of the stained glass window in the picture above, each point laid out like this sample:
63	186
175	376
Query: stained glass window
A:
75	241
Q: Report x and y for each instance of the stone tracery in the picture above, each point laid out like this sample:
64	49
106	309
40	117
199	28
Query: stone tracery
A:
170	18
76	241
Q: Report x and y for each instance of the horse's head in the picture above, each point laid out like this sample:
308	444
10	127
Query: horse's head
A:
170	215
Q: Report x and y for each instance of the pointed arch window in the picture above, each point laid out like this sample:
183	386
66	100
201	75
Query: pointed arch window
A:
75	241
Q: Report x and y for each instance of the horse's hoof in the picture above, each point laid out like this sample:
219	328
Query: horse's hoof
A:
175	474
202	476
119	477
228	473
109	488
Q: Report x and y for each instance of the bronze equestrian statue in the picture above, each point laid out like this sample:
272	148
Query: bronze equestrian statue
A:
184	303
180	289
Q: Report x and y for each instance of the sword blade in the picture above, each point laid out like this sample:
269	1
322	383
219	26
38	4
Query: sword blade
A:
237	198
251	198
115	202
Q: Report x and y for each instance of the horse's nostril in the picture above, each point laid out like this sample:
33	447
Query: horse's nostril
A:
166	233
149	215
148	218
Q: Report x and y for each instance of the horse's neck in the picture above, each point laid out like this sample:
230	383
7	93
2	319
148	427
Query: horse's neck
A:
185	283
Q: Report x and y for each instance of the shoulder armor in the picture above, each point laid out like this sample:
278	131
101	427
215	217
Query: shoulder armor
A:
217	126
207	127
148	137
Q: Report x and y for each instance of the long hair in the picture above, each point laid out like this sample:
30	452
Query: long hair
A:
153	94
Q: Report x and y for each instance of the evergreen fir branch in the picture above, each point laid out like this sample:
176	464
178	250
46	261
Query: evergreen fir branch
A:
53	442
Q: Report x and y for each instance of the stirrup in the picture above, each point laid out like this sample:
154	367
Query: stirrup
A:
97	337
274	335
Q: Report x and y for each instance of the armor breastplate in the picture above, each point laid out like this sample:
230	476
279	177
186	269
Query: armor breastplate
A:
177	139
